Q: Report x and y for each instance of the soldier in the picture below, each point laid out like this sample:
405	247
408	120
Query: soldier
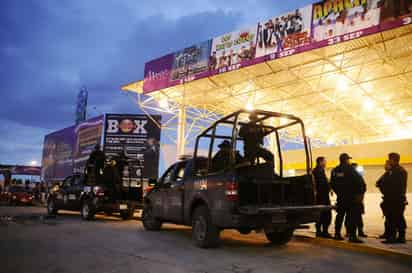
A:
322	197
253	134
348	186
379	185
394	200
95	163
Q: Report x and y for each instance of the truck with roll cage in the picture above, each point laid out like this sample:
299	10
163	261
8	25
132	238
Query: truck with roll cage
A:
243	195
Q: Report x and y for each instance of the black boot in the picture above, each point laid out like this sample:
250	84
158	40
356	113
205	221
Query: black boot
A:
390	240
383	236
354	239
338	237
401	239
362	234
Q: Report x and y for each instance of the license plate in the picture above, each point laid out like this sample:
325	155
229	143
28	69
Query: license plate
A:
122	206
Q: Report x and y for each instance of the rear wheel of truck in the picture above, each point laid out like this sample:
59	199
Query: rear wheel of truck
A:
87	211
51	207
204	233
279	237
150	222
127	214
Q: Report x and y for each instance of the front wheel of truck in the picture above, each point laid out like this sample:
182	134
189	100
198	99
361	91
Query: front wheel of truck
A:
204	233
279	237
150	222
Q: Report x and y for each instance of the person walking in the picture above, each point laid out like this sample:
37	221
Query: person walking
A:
322	197
347	184
394	200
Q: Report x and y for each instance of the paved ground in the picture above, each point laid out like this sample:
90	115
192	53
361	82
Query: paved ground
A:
68	244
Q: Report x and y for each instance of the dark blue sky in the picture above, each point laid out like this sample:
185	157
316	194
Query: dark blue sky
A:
49	49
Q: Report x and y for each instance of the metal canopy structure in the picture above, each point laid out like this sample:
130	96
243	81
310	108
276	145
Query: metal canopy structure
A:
358	91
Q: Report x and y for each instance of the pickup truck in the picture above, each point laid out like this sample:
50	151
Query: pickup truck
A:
243	195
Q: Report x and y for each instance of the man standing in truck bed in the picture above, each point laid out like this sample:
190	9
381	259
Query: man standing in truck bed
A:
253	134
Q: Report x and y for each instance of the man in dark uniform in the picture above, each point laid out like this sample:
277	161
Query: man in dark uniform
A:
322	197
221	160
95	163
253	134
394	200
347	184
379	185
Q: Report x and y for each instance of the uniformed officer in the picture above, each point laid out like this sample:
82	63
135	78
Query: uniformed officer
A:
394	200
221	160
379	185
347	184
95	163
253	134
322	197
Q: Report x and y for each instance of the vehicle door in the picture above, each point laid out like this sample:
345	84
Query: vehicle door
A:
159	194
175	193
62	196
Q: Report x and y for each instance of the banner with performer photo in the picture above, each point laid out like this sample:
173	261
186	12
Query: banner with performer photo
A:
339	17
287	31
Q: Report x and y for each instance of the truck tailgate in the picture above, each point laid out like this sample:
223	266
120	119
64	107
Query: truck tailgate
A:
253	210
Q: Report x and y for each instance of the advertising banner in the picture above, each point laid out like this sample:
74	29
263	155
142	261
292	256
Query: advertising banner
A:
324	23
287	31
67	150
231	49
339	17
190	61
138	137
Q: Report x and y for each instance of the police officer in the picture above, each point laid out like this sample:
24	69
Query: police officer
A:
394	200
253	134
347	184
221	160
379	185
322	197
95	163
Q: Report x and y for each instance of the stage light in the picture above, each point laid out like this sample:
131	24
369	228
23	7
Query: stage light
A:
342	84
33	163
163	103
249	106
368	104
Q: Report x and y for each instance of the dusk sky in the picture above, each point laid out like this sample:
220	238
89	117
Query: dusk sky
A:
49	49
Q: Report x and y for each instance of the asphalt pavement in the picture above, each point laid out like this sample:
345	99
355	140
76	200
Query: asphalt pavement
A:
32	243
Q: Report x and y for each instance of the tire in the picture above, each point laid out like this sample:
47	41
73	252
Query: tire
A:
149	221
279	237
51	207
128	214
204	233
87	210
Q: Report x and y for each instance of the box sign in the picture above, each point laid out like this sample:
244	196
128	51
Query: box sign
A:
324	23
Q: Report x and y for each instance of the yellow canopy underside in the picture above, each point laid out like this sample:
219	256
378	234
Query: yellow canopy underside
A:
358	91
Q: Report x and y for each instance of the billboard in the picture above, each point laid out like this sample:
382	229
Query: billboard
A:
283	32
231	49
139	137
324	23
67	150
81	106
190	61
339	17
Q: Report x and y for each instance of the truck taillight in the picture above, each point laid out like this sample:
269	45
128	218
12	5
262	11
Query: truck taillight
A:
231	191
98	191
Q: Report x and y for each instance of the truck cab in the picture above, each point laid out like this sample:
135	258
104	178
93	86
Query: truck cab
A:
226	185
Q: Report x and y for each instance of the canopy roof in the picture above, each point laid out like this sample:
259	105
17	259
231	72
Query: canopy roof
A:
353	92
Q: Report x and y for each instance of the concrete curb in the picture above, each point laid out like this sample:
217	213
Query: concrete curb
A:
362	248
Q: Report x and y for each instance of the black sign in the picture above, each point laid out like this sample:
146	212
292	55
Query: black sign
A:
138	136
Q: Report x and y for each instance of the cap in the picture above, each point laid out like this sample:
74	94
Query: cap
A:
225	144
344	156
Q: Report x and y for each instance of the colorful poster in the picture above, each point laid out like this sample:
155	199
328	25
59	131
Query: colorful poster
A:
233	48
339	17
392	10
157	73
287	31
138	137
190	61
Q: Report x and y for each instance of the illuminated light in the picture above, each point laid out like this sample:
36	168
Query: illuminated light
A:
360	169
409	118
33	163
401	113
309	131
163	103
291	172
403	133
368	104
283	121
249	106
388	120
330	141
342	84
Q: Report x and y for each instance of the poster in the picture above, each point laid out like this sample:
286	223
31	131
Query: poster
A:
392	10
339	17
233	48
287	31
138	137
190	61
157	73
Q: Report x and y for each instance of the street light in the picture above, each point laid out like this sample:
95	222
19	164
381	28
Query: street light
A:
33	163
